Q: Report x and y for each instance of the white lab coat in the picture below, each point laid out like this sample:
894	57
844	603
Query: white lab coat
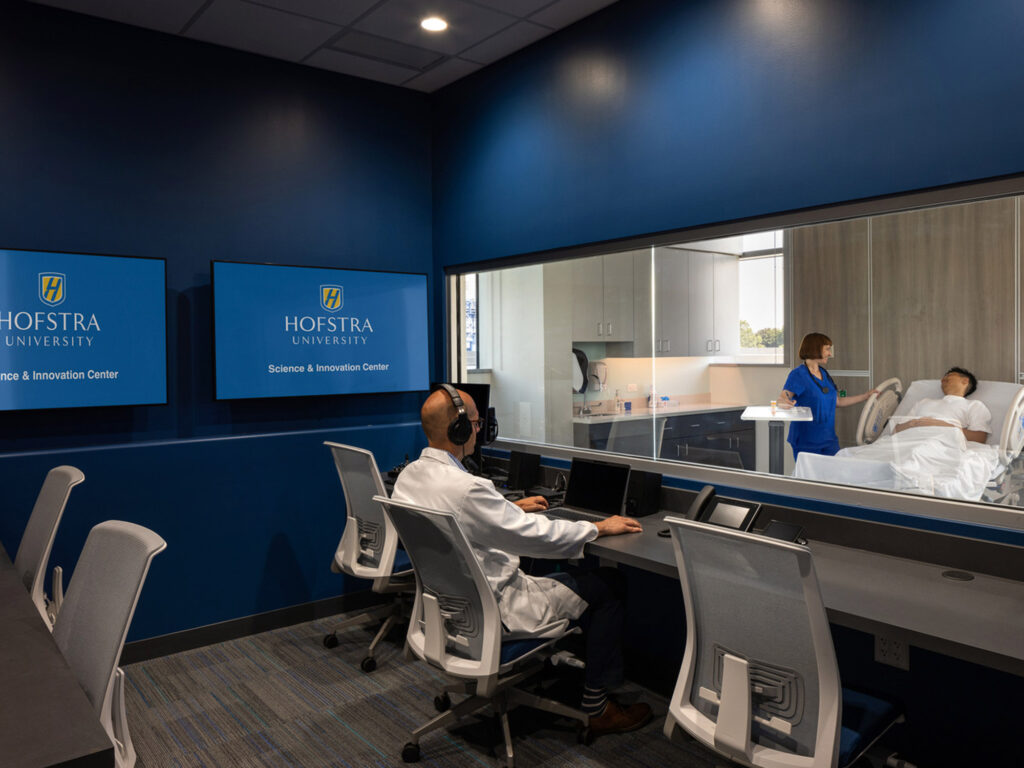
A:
496	528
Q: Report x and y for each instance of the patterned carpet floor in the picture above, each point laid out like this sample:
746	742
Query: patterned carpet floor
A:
281	698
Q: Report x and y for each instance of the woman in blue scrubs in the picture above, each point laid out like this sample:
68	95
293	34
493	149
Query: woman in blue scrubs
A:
810	385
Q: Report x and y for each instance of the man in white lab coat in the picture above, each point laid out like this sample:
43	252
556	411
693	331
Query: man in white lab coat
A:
500	531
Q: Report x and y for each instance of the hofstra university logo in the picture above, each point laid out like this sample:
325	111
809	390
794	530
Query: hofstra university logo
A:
328	329
24	328
332	297
52	288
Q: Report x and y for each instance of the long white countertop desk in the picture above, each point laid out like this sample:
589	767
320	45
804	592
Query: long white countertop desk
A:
981	620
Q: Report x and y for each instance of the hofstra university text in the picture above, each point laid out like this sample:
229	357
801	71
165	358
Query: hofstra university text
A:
327	330
74	328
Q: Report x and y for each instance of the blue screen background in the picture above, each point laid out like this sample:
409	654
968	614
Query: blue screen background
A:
253	301
125	294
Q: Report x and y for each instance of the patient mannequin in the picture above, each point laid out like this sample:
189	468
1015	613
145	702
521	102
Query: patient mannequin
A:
972	417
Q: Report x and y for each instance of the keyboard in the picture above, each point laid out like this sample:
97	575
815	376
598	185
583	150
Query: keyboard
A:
575	515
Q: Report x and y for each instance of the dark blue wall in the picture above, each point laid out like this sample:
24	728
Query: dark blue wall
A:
655	115
119	140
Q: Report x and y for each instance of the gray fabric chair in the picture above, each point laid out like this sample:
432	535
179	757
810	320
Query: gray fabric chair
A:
759	682
94	620
456	628
34	550
368	548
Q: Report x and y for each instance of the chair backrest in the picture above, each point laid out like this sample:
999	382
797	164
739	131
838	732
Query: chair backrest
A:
97	611
455	623
368	543
759	681
637	437
34	551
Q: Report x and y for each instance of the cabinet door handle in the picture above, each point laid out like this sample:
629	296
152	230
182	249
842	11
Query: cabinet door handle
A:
657	345
668	345
610	331
694	425
718	345
708	346
599	329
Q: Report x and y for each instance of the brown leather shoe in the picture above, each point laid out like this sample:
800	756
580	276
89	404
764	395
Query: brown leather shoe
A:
618	719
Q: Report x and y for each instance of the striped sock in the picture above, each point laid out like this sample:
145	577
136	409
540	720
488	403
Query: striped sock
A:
594	701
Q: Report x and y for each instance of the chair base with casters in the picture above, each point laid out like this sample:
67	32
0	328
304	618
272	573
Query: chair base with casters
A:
505	696
393	613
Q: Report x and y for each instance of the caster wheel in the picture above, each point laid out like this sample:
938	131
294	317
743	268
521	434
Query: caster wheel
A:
443	702
585	737
411	753
369	664
331	640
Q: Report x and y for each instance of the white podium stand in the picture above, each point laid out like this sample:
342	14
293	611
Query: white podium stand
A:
776	428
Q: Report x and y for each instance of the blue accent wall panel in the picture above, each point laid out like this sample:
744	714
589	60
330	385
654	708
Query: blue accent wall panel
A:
251	522
656	115
119	140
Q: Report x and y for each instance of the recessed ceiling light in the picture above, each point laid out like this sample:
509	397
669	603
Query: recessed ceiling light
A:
434	24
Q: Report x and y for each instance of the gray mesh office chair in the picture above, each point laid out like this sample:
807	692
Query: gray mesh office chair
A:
759	682
94	620
456	628
368	548
34	551
637	437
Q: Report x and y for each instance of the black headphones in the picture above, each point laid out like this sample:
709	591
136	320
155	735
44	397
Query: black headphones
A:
461	428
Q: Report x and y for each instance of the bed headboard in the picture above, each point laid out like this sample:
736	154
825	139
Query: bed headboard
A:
996	395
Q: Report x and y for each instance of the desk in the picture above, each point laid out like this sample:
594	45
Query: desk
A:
981	620
45	717
776	419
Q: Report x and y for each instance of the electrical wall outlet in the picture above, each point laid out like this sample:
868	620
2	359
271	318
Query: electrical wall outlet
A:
892	649
632	388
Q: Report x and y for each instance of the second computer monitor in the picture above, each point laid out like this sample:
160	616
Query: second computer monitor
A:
598	486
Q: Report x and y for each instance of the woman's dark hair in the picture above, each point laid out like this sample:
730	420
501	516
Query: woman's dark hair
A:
972	383
812	345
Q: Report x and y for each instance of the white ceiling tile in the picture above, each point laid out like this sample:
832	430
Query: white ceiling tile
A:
467	24
505	42
566	12
163	15
259	29
341	12
444	73
359	66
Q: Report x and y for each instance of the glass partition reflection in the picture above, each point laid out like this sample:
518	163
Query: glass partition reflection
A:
660	351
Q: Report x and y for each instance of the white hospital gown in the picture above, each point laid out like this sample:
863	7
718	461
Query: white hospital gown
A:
956	410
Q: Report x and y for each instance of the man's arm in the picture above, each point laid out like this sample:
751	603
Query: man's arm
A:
975	435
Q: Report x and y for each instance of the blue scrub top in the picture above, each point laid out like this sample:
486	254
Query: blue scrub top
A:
818	436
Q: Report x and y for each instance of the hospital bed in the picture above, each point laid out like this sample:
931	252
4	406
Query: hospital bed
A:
927	460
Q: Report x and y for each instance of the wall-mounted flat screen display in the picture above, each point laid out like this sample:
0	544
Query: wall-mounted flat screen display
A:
283	331
81	330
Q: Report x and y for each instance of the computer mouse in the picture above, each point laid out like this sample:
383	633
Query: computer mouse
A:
664	533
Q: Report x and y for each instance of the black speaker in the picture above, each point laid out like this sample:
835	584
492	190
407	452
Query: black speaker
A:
643	493
523	470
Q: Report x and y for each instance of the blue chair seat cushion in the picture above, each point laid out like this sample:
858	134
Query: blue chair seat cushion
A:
516	649
402	561
865	718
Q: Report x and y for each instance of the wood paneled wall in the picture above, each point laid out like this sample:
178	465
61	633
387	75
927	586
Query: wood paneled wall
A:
911	294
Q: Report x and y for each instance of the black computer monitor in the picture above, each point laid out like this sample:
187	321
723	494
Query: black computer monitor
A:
598	486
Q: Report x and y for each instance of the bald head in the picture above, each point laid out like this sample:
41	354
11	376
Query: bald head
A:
438	412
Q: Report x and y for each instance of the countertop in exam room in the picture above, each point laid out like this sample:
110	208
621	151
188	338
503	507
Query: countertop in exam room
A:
646	413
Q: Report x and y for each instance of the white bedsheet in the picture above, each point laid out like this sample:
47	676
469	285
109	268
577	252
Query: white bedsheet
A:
936	461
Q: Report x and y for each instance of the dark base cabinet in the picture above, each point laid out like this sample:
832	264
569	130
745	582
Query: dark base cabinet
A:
719	438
